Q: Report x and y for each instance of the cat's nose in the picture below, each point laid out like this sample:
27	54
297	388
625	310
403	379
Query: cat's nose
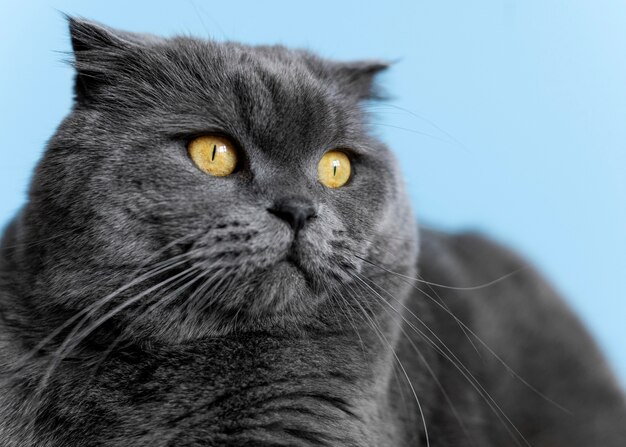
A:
296	211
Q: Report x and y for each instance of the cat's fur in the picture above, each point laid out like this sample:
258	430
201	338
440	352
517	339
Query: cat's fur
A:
248	336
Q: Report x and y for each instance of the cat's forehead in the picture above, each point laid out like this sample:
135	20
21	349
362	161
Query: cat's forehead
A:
239	69
274	95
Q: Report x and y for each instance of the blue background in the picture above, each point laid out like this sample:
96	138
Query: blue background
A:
509	116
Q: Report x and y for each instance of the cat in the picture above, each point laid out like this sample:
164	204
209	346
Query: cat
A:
216	251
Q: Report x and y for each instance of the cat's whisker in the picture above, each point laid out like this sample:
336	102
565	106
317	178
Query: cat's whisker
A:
382	301
160	302
71	342
468	376
218	281
92	308
160	268
456	362
397	358
191	303
452	358
220	277
444	286
337	297
406	279
394	371
444	304
430	286
470	331
208	226
41	241
420	355
172	244
441	301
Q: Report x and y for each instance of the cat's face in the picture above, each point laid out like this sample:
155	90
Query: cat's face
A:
119	182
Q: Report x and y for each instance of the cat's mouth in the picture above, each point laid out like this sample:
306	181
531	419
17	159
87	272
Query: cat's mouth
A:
279	278
291	262
290	258
296	258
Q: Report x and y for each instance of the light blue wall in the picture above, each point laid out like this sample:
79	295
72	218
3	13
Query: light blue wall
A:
510	116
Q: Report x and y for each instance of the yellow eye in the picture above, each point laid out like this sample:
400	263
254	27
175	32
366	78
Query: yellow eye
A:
333	170
214	155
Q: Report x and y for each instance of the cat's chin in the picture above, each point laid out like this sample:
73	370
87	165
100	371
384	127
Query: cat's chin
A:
282	288
278	297
288	269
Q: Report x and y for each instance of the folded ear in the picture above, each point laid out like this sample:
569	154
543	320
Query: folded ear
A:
359	78
99	53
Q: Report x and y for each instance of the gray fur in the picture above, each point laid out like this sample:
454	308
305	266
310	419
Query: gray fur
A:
257	337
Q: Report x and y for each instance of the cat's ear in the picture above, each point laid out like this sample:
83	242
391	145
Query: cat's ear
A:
359	78
99	53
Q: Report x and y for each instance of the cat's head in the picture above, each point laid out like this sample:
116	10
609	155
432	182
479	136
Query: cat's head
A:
120	191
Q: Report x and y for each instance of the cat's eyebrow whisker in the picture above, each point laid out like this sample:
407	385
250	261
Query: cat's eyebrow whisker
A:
509	369
397	358
421	118
406	129
453	359
199	9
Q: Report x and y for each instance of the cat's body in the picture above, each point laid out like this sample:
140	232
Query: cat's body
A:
351	340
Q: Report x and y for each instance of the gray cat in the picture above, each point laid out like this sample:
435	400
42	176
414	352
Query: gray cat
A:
216	252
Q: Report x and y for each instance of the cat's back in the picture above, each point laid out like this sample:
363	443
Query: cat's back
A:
529	358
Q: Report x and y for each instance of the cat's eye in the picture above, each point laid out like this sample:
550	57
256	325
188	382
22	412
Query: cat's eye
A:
213	154
334	170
